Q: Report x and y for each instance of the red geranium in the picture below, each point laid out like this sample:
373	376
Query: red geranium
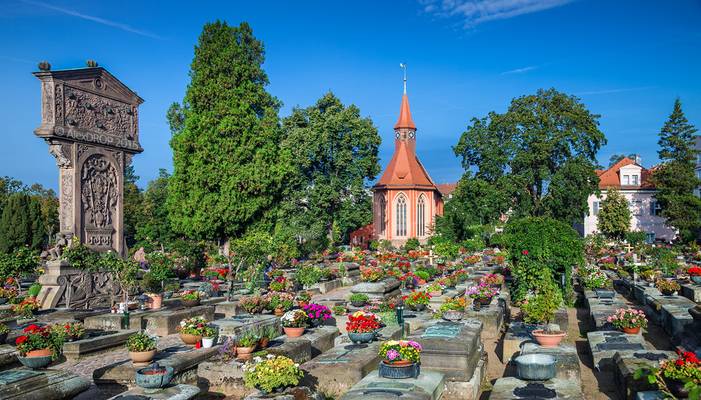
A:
694	271
362	322
21	339
525	252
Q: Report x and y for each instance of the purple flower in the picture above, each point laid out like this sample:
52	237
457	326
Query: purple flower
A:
392	355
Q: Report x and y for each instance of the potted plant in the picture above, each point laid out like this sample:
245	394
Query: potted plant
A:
695	274
160	269
494	280
266	334
361	326
358	299
279	302
678	378
540	308
434	289
317	313
26	308
38	346
400	359
371	274
339	310
278	284
593	278
417	301
142	348
482	293
34	290
7	294
252	304
4	330
294	322
209	334
272	373
628	320
245	345
308	275
72	331
192	329
303	299
190	298
667	286
453	309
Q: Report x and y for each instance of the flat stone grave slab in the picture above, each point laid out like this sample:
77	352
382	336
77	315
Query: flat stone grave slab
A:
91	345
641	291
512	389
427	386
175	302
516	334
692	291
227	309
172	392
672	313
492	318
382	290
238	324
327	286
605	344
183	359
567	366
8	356
48	384
112	322
625	368
452	348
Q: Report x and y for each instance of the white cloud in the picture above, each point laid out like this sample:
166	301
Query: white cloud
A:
475	12
521	70
99	20
612	91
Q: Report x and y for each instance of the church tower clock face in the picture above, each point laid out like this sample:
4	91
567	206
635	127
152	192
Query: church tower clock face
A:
397	135
411	134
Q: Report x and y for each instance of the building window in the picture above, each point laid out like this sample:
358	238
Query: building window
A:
595	208
626	180
383	216
401	215
635	179
420	216
650	237
655	207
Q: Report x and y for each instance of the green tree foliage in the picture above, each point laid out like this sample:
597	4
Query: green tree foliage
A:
675	179
334	152
21	223
540	154
18	263
618	157
132	205
537	244
614	215
154	231
228	171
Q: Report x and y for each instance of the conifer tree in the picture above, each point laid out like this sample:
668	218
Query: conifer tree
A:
675	179
21	223
228	171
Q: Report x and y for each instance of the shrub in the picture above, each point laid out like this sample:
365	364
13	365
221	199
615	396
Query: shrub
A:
541	243
412	244
359	298
141	341
308	275
635	238
34	290
541	306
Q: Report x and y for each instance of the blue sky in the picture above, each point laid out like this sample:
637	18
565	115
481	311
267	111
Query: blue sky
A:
627	60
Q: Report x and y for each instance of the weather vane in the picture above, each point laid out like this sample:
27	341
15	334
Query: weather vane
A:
403	66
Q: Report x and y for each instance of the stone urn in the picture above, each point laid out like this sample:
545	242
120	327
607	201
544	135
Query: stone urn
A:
364	337
399	369
154	377
36	359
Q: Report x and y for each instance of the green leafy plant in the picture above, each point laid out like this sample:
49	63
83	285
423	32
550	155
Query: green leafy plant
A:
34	290
4	329
412	244
358	298
686	369
253	304
269	332
141	341
339	310
271	373
160	269
308	275
540	307
248	339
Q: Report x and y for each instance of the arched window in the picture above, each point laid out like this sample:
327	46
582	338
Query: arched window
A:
421	216
401	215
383	216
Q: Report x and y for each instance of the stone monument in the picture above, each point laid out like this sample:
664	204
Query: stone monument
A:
90	121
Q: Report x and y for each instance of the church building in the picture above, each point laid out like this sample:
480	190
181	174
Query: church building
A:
405	199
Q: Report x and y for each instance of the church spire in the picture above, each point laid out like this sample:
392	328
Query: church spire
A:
404	121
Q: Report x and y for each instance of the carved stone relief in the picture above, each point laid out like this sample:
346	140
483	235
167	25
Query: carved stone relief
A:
66	201
99	198
62	152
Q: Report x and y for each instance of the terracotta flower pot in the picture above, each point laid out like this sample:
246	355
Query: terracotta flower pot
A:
548	339
190	339
244	353
632	331
279	312
156	301
293	332
141	358
39	353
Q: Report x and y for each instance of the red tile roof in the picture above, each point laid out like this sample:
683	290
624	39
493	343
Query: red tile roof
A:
405	120
610	178
446	188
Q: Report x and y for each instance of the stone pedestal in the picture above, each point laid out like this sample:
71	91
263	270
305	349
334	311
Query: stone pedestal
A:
382	290
65	286
50	384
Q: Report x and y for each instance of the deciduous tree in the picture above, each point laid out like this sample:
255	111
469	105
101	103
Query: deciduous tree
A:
614	215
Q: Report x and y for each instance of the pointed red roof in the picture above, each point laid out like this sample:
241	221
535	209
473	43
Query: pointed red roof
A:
405	170
611	177
405	120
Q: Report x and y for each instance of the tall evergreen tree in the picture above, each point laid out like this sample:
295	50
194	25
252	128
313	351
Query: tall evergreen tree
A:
21	223
228	171
132	205
334	152
675	179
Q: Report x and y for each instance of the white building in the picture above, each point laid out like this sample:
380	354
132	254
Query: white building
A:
633	182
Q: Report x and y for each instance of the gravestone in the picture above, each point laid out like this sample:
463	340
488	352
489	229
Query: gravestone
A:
512	388
172	392
605	344
428	385
50	384
89	119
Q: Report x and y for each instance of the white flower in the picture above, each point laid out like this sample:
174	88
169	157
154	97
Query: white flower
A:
270	356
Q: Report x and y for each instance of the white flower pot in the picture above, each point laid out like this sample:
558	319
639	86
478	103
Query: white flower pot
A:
207	342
